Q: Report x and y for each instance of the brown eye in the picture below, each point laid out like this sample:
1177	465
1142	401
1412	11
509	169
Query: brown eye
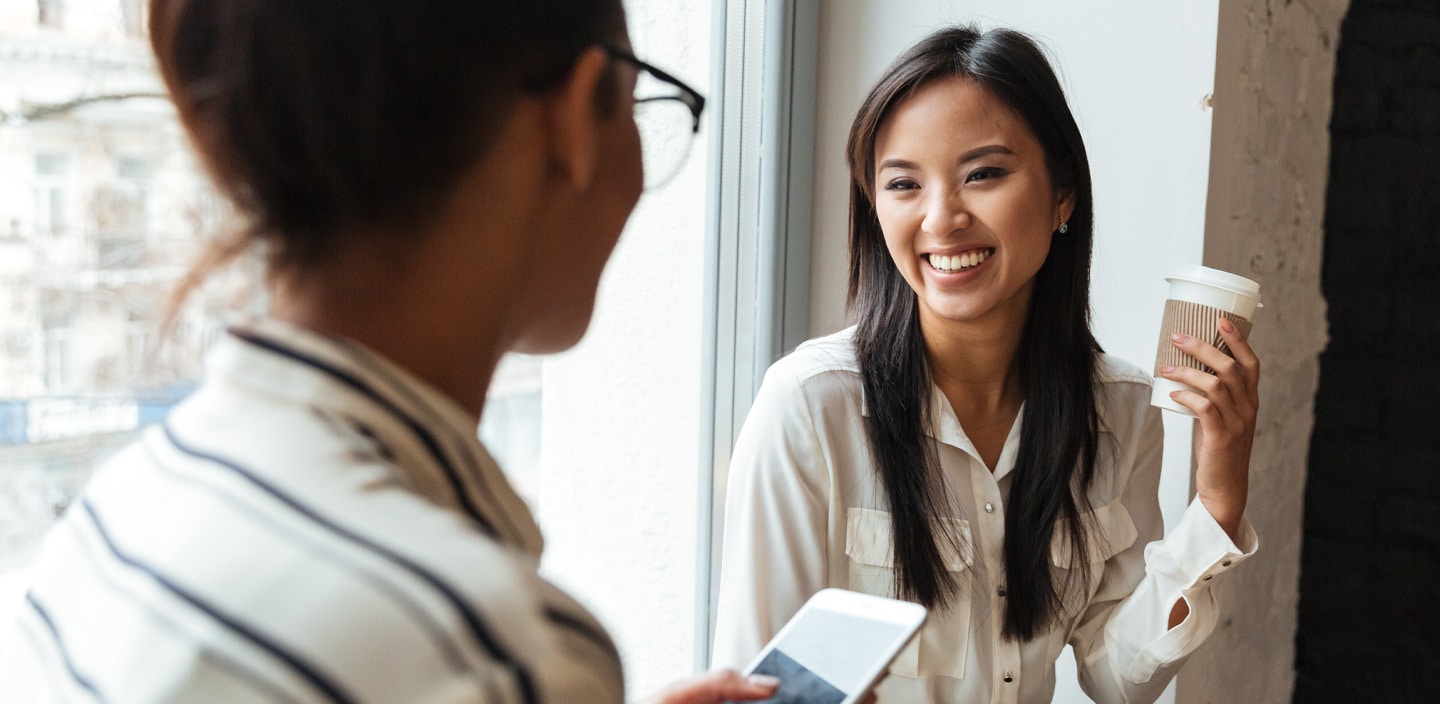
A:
985	174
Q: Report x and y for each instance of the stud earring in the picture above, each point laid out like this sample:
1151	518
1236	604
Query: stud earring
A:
1064	228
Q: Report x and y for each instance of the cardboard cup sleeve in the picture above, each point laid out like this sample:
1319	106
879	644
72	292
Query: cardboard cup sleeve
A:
1195	320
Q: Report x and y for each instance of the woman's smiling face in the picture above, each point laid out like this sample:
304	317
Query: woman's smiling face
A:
965	200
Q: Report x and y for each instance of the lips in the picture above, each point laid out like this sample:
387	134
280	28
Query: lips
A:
949	264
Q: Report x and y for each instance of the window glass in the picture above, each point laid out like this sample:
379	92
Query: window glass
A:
101	210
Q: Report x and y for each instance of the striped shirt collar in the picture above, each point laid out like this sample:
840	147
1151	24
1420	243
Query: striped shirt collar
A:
342	378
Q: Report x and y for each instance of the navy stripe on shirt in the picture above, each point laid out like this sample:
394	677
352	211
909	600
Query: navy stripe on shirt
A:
584	629
428	440
100	568
400	388
443	640
307	671
472	619
75	675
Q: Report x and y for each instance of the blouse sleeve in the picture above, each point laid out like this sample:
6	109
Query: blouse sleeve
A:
1124	650
775	520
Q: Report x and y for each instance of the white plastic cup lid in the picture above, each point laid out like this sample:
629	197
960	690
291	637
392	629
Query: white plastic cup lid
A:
1214	277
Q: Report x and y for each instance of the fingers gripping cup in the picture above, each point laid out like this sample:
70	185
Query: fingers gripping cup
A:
1198	297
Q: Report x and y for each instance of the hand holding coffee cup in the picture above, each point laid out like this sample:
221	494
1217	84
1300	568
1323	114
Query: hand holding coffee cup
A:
1205	368
1199	297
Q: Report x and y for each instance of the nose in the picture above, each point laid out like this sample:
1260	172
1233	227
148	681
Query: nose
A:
945	212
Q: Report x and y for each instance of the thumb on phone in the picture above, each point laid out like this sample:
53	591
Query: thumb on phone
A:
715	687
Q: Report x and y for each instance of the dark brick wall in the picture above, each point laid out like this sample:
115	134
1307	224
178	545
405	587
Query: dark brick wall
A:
1369	622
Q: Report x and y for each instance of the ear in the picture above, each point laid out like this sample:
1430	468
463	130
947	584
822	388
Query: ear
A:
574	120
1064	207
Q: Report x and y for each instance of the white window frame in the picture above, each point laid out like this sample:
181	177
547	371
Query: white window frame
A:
757	288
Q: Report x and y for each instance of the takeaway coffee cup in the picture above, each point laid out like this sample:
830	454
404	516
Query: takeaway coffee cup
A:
1198	297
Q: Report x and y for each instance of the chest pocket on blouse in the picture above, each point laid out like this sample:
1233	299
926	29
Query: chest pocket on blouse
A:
1109	531
942	646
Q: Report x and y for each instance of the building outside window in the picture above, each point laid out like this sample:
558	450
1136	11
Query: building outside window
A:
101	208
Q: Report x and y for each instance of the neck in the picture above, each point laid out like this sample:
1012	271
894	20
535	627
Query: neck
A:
436	300
395	311
438	297
976	364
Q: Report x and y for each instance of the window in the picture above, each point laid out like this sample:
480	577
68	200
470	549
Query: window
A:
90	254
132	17
51	12
52	171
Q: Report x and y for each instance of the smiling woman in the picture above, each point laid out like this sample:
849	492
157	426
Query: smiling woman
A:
967	445
974	204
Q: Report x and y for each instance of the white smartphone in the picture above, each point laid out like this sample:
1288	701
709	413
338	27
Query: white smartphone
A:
837	647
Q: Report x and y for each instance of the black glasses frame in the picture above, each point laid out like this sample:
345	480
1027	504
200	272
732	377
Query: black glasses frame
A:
690	97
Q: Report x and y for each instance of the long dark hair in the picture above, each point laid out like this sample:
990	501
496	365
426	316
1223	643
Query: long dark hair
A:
1056	358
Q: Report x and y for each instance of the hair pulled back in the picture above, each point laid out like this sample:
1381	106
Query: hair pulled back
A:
323	118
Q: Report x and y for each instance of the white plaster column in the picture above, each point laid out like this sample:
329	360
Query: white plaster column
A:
1269	162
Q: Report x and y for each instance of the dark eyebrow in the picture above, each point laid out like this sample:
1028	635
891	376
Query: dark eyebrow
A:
897	164
986	150
971	155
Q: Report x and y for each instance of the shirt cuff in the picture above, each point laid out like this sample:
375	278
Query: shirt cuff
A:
1199	550
1185	565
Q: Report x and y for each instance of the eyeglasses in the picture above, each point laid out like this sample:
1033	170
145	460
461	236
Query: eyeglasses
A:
667	113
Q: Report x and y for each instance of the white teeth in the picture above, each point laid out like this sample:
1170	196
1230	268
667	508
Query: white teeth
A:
958	263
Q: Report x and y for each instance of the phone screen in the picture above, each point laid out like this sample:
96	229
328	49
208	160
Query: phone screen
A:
826	656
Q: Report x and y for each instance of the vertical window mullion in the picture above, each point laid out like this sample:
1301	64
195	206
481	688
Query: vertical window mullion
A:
758	277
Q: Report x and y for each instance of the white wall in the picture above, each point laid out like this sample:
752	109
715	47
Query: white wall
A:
620	413
1137	73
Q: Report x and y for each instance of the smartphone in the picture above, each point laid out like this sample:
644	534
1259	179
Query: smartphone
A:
837	647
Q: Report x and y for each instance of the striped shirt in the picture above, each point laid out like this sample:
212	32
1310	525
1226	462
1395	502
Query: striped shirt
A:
314	524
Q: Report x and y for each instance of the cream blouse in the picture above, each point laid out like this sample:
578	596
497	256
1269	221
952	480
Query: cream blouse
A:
804	511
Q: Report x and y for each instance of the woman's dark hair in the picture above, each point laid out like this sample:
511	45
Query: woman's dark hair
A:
322	116
1056	357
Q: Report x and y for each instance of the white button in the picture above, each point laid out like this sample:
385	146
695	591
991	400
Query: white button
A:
989	507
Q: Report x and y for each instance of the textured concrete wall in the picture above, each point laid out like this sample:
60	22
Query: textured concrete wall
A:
1369	565
1274	70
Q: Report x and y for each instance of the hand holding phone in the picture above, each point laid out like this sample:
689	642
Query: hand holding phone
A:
716	687
837	647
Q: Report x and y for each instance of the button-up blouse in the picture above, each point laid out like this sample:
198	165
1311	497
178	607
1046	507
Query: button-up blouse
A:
804	510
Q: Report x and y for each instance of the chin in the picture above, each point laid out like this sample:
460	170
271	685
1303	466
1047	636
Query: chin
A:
957	313
553	336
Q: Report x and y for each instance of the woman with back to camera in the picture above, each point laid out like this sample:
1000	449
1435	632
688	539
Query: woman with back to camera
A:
433	184
967	445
